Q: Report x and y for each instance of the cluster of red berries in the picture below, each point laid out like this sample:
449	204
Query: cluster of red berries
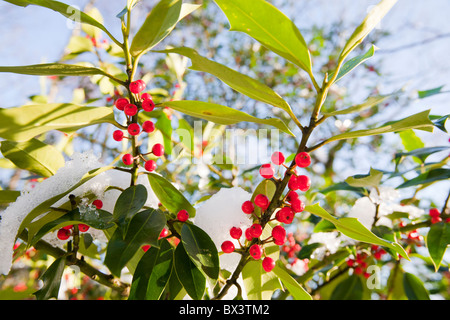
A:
291	247
65	232
359	264
285	215
144	102
435	215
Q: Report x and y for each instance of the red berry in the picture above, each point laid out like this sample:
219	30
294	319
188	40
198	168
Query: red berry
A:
255	251
63	234
130	109
182	215
227	246
83	227
262	201
236	232
279	242
150	165
266	171
164	233
248	234
248	207
134	129
127	159
256	230
303	159
285	215
292	195
359	270
292	183
377	255
118	135
137	86
146	96
279	233
350	262
148	105
277	158
434	212
268	264
148	126
98	203
145	247
304	183
68	227
158	150
436	220
297	205
121	103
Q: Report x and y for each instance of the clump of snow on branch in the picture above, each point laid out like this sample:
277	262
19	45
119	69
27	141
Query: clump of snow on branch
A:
365	208
63	180
330	243
217	215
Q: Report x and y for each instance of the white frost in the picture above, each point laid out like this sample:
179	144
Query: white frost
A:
365	208
64	179
217	215
330	240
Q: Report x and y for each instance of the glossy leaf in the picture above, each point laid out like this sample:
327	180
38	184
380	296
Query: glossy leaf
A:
351	288
170	197
437	240
354	62
164	125
236	80
372	179
202	251
306	251
417	121
51	280
352	228
342	186
26	122
440	122
421	153
369	103
414	287
258	283
221	114
430	92
129	202
158	24
192	279
273	29
8	196
427	178
152	273
53	69
410	140
294	288
33	155
144	228
370	22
